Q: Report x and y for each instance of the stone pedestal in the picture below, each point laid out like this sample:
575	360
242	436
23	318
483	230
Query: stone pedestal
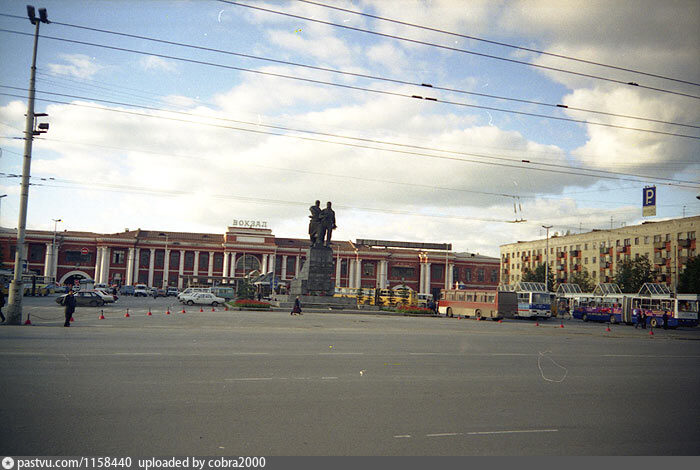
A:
315	277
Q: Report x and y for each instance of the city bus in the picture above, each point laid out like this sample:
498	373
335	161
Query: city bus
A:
603	305
398	296
655	299
534	300
478	303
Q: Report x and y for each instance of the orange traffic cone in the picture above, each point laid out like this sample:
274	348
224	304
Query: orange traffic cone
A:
500	321
608	328
651	332
537	323
167	312
71	319
561	324
126	315
102	315
149	314
28	322
213	309
201	309
183	310
226	308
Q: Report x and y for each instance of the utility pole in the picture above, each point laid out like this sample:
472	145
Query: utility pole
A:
14	311
546	263
54	255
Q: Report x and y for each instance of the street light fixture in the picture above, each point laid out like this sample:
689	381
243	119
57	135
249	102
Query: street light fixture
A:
54	255
546	263
165	262
14	310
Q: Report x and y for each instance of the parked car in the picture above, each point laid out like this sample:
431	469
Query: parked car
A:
192	290
141	290
172	291
84	298
126	290
158	292
202	298
107	296
228	293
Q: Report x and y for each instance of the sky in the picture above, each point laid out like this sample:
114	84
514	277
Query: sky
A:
146	133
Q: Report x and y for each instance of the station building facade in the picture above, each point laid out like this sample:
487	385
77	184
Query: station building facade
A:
159	258
668	244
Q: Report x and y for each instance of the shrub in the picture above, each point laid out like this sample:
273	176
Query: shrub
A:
251	304
413	309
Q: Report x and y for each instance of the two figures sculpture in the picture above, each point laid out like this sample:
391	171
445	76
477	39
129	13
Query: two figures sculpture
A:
321	225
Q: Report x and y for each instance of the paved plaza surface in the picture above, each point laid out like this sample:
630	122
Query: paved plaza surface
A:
266	383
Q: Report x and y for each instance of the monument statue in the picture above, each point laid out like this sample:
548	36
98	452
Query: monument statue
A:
315	223
327	221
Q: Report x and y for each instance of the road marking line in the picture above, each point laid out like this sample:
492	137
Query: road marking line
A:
340	353
136	354
403	436
328	378
511	432
444	434
251	378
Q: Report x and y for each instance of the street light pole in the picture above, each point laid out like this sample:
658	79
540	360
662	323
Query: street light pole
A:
546	263
1	196
166	262
54	255
14	310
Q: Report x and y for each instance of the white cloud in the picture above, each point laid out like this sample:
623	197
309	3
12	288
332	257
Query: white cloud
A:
77	65
157	64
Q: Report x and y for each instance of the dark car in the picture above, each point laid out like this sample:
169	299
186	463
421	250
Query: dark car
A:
156	292
172	291
91	299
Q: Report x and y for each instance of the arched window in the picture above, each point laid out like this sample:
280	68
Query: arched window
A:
247	264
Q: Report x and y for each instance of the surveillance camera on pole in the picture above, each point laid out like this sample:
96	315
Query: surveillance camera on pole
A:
14	310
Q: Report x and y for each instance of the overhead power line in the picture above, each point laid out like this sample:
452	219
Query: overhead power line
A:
465	51
499	43
371	77
351	87
529	164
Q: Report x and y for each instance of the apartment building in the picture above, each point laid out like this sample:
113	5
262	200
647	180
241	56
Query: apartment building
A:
668	244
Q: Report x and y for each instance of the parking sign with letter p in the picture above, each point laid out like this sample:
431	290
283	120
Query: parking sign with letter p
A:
649	201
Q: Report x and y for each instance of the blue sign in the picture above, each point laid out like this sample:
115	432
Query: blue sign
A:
649	201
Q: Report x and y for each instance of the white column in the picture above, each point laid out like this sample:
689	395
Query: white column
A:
272	263
338	264
166	268
358	276
47	260
195	269
104	278
351	272
264	264
181	269
233	265
385	274
284	267
297	267
427	278
151	265
378	281
449	272
210	271
224	273
129	268
98	265
137	265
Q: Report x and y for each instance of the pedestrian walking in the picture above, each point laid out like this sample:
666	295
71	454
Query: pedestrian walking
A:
2	304
665	320
644	320
296	310
69	303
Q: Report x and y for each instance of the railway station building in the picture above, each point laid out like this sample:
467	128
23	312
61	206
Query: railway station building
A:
160	258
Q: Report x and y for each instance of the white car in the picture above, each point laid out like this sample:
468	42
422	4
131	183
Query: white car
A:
192	291
106	296
141	290
205	298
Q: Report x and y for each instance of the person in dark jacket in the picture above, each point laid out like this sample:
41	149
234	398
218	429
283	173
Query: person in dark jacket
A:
2	304
69	302
665	320
644	320
297	307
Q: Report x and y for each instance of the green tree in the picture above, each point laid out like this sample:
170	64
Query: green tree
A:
584	280
689	280
630	275
246	289
538	276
